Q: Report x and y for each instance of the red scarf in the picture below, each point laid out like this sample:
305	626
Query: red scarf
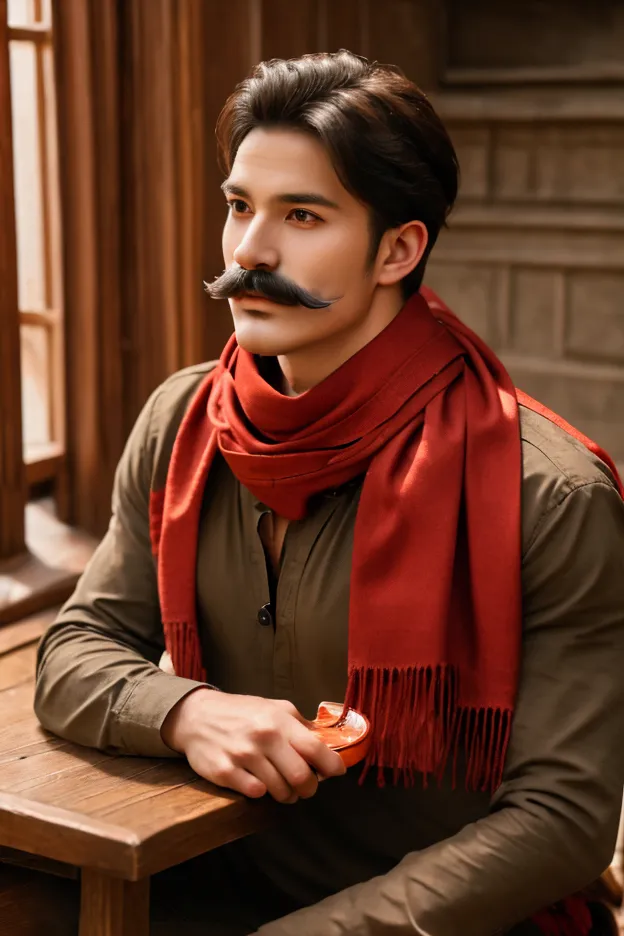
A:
429	414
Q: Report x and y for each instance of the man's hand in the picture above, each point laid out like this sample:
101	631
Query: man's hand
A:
249	744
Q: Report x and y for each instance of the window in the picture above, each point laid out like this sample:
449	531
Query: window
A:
37	216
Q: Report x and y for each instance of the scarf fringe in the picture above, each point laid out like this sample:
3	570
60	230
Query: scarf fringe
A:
418	726
183	646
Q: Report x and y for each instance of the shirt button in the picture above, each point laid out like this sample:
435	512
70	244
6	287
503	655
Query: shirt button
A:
264	616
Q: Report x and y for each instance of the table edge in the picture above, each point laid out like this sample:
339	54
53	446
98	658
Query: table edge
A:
65	835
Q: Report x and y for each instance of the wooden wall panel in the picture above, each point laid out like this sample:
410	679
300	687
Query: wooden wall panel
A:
85	37
12	474
192	156
534	255
231	49
343	25
405	33
289	29
149	196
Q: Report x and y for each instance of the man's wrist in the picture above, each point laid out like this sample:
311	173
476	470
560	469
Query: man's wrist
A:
172	730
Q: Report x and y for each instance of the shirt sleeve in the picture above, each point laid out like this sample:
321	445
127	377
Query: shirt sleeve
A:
98	681
552	824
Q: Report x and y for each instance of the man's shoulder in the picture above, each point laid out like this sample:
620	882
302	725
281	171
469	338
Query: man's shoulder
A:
550	451
165	411
175	393
554	465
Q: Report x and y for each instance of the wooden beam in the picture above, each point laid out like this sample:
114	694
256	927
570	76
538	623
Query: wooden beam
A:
48	319
41	35
20	859
149	168
577	74
229	55
44	463
112	907
12	472
168	153
189	88
85	55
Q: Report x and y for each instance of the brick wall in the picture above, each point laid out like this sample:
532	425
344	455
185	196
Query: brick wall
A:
534	256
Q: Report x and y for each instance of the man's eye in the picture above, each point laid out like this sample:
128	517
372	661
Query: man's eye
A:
304	216
238	206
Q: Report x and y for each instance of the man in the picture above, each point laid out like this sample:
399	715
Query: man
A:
352	505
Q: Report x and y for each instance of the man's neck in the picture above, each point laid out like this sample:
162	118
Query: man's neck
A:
304	369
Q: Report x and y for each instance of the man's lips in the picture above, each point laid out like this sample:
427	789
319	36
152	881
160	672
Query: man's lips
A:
249	295
253	295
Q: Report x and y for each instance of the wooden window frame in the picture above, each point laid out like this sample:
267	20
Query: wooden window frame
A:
12	468
23	468
47	462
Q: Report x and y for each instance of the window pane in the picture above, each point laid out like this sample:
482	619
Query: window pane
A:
20	13
30	12
43	12
27	168
50	160
35	384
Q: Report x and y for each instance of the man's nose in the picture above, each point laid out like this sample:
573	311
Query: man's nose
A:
254	252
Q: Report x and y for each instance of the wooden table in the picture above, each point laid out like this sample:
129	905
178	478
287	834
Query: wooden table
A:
119	819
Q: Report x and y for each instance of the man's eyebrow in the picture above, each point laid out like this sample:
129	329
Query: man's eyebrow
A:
288	198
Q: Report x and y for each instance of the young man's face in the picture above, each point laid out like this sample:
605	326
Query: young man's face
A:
323	248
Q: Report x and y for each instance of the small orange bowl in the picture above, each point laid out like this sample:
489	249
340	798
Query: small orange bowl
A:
349	736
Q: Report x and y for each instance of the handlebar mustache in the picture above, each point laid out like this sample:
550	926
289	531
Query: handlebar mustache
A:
237	280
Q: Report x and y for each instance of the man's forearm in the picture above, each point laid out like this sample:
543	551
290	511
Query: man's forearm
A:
489	877
96	692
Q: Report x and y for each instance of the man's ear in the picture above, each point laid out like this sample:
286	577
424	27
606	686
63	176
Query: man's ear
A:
401	251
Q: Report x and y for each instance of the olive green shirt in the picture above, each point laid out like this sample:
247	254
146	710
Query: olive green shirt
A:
360	859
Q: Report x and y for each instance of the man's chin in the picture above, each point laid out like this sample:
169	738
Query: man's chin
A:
265	341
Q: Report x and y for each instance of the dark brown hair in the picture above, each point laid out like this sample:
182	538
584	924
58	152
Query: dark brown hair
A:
386	142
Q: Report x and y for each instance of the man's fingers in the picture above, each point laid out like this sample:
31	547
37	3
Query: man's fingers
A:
237	779
262	750
325	761
295	770
292	710
271	776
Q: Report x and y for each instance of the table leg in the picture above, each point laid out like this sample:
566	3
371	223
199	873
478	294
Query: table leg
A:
112	907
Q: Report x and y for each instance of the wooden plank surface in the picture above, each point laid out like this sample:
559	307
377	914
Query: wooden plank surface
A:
127	816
